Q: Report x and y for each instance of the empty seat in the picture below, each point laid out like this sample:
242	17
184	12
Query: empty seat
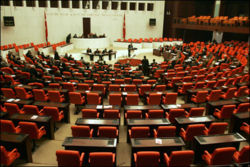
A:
214	95
144	88
139	132
229	93
22	94
245	127
196	112
216	128
191	131
210	84
133	114
160	88
170	98
32	109
90	113
12	109
130	88
114	88
220	156
173	113
99	87
69	86
243	155
242	107
101	159
155	114
225	112
55	85
112	113
81	131
147	159
83	86
165	131
8	93
220	82
200	97
154	99
179	158
199	85
8	126
39	95
115	99
185	87
76	98
241	91
107	132
132	99
93	98
69	158
8	157
32	129
55	96
54	113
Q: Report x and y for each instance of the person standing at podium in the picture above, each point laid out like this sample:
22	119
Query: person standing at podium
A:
130	47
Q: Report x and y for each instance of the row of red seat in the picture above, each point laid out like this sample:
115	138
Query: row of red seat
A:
140	40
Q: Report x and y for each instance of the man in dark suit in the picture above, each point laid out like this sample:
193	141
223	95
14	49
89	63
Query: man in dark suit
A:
130	47
56	56
145	66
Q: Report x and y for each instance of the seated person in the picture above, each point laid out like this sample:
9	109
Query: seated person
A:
97	52
89	50
104	51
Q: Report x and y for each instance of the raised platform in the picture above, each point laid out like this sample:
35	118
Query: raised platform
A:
92	43
145	45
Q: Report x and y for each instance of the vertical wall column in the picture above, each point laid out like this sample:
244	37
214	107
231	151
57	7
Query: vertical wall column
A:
80	4
48	3
59	4
217	35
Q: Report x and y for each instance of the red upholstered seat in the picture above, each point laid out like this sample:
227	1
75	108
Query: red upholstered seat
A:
32	129
147	158
216	128
220	156
154	99
8	157
243	155
191	131
107	132
8	126
229	93
179	158
132	99
90	113
22	94
139	132
242	107
155	114
81	131
132	114
196	112
115	99
165	131
8	93
101	159
39	95
76	98
170	98
12	108
225	112
32	110
55	96
69	158
173	113
93	98
54	113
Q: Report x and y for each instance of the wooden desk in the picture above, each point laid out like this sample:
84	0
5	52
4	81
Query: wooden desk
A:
20	141
20	102
152	123
45	121
190	92
211	142
101	108
98	122
243	99
210	107
158	92
3	115
87	145
149	144
183	122
142	107
237	120
186	106
61	106
27	87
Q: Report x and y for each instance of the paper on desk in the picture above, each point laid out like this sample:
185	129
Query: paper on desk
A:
158	141
124	93
20	85
108	106
10	100
99	107
159	92
87	91
34	117
16	100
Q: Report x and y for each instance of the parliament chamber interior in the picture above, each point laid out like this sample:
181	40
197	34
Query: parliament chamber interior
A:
124	83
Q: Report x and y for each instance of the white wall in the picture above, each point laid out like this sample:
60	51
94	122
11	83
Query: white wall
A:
29	23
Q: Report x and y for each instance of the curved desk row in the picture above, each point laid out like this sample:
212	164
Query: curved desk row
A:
105	56
93	43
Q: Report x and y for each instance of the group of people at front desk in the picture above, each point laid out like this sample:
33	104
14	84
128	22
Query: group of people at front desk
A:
99	53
